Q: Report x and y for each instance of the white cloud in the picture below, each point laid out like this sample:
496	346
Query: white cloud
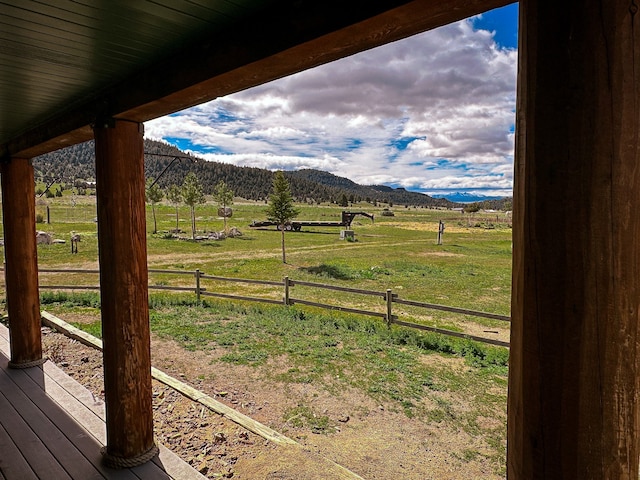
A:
275	162
432	111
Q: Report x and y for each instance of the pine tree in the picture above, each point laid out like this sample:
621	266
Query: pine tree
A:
281	210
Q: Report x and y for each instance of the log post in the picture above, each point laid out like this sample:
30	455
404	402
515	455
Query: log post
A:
574	367
124	295
21	255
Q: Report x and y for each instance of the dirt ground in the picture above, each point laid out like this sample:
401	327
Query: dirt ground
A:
369	439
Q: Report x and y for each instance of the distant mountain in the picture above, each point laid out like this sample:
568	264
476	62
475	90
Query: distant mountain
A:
484	201
463	197
369	193
75	165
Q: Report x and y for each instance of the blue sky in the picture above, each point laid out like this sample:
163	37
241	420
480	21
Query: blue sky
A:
432	113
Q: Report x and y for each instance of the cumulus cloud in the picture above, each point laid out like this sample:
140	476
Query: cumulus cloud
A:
435	111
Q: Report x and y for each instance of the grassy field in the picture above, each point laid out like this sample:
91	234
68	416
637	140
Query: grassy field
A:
470	270
332	351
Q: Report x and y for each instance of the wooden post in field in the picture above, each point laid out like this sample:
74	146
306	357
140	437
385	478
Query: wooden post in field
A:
124	298
286	290
198	285
573	407
440	231
389	299
21	256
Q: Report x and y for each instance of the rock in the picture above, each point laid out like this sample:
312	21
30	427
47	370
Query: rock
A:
43	238
343	418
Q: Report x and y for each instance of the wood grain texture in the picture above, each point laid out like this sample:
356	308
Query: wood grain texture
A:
123	278
21	255
288	37
573	382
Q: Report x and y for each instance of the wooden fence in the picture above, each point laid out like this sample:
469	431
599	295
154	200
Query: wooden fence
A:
389	297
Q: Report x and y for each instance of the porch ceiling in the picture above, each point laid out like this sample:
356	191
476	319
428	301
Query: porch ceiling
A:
65	63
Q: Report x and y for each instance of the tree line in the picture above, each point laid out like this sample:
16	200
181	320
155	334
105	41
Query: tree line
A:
75	167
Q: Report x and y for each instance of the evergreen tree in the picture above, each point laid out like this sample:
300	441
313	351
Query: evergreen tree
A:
174	195
344	201
281	209
223	195
154	195
192	194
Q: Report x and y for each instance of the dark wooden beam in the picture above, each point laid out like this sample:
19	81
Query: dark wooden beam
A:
574	366
124	299
21	256
288	38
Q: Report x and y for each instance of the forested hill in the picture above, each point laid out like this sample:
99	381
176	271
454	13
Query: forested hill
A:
77	164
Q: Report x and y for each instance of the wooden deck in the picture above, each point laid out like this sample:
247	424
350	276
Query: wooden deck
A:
51	427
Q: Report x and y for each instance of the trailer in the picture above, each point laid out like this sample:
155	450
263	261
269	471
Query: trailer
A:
296	225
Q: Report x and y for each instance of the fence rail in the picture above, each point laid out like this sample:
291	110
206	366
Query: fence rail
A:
444	308
334	287
389	296
294	301
241	280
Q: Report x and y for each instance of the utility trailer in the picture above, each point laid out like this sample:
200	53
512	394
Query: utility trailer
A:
296	225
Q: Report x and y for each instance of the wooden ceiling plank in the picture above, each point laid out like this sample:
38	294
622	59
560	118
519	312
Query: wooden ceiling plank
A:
208	9
287	39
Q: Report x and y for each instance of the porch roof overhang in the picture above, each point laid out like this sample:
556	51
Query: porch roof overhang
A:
66	64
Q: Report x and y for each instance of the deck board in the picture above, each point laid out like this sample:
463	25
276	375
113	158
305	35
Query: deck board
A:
39	458
53	427
62	449
18	467
84	447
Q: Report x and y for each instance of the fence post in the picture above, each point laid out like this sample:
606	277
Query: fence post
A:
389	298
198	285
286	290
440	232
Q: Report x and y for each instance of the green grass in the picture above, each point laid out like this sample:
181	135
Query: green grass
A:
336	352
333	350
472	270
305	416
